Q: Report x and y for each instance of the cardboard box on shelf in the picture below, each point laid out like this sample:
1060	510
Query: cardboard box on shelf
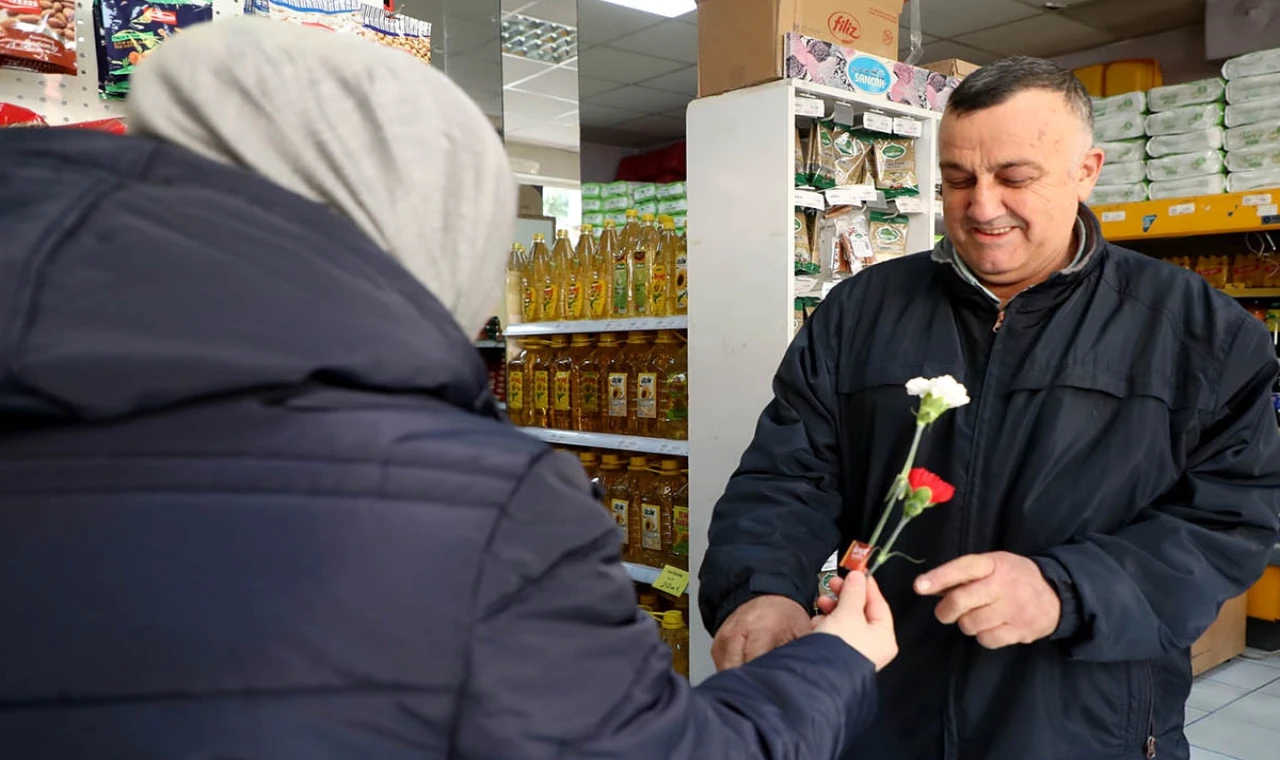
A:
740	41
952	67
1223	640
821	62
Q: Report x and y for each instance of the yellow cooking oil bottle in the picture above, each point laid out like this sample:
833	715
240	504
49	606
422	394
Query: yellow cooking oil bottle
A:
662	271
546	280
595	274
538	389
586	385
560	415
642	256
573	296
674	468
675	632
514	303
669	363
517	377
680	290
615	483
624	373
640	521
613	409
622	285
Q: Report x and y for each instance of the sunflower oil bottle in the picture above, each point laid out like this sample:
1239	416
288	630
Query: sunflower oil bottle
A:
662	272
515	303
615	482
613	410
657	502
586	385
573	296
596	273
590	465
559	415
546	278
628	239
624	370
680	288
679	514
517	382
642	257
642	518
675	632
530	303
647	386
670	363
539	383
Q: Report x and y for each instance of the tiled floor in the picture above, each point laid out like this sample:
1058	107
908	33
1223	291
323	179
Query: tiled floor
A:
1234	711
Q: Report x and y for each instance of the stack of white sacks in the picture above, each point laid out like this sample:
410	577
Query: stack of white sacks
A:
1253	119
1184	149
1120	129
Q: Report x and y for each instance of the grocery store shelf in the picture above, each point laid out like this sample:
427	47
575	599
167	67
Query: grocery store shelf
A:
1254	211
489	344
642	573
634	443
861	101
1252	292
599	326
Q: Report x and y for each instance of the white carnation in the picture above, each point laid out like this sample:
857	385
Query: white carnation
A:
944	391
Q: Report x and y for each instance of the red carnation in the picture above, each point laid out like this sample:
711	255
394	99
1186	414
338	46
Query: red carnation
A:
940	490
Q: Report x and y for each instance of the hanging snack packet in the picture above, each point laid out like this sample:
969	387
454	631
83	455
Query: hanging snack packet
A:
396	30
895	164
888	236
851	158
17	116
822	152
802	161
804	245
129	30
38	35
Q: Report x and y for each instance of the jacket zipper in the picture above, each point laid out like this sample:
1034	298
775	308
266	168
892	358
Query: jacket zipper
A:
999	320
1151	712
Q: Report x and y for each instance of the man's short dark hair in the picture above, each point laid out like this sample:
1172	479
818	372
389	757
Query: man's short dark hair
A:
995	83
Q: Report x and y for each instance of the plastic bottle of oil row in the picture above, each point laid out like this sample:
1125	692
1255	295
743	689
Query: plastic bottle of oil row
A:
643	519
560	413
546	278
573	280
539	382
620	249
615	482
586	385
642	256
517	382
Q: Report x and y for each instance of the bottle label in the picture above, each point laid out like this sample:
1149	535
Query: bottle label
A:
647	395
680	531
562	391
677	397
573	300
682	282
596	300
657	289
541	393
651	526
529	304
640	283
620	507
617	394
549	302
620	289
589	393
515	391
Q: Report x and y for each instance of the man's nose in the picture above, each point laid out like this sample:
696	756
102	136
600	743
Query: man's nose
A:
986	203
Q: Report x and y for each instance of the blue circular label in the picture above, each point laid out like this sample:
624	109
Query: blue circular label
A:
869	75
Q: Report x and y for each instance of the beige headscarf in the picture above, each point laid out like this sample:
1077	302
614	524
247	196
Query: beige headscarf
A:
368	130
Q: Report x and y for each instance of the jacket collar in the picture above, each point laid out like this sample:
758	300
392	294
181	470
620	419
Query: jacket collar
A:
1090	247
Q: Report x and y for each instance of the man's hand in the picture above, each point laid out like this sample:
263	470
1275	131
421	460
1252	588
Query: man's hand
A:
1000	598
861	618
757	627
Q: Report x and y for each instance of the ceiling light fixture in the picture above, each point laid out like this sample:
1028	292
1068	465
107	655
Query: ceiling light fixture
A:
1052	6
668	8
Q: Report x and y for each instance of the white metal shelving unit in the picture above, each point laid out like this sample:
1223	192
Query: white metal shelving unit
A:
741	238
632	443
597	326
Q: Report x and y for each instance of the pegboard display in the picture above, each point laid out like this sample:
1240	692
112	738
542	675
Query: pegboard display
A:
66	99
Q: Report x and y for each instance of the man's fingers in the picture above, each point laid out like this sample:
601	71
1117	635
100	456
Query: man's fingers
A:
961	601
957	572
999	638
877	607
981	620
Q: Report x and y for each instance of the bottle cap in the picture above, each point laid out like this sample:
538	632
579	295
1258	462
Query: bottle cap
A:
671	465
672	619
587	457
639	463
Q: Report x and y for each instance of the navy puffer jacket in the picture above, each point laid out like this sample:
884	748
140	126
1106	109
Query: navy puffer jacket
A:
256	502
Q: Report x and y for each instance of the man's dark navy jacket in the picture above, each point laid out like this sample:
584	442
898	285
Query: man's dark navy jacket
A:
1121	433
257	504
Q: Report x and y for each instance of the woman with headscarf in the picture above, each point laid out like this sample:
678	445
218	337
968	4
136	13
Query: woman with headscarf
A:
255	499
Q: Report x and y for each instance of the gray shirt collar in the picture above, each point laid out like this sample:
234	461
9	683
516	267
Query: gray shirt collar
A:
945	253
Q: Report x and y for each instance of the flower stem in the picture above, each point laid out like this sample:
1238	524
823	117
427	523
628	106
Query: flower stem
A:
897	489
883	555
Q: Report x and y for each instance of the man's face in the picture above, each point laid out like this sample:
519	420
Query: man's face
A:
1012	178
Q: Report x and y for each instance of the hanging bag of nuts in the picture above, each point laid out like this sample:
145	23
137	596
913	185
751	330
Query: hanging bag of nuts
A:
38	35
396	30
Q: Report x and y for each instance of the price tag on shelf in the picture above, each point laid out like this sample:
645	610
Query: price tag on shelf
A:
907	127
1109	217
1260	199
909	204
1269	210
809	199
877	122
811	107
672	580
853	195
1182	209
843	113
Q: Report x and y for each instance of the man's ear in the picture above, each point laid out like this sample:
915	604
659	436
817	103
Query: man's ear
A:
1087	172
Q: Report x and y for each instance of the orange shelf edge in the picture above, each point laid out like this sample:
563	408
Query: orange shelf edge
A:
1254	211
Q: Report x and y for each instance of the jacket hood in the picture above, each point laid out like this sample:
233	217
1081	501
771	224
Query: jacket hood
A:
135	275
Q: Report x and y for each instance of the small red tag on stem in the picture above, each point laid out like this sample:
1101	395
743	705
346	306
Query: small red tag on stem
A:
857	557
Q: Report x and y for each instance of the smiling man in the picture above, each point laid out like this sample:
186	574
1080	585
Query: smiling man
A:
1117	473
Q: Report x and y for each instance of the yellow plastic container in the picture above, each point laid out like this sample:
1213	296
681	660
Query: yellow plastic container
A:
1092	77
1264	597
1138	74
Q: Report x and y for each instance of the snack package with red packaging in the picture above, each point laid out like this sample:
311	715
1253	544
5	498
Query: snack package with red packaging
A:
38	35
17	116
111	126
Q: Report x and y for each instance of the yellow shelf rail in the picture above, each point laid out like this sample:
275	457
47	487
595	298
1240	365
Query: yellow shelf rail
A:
1255	211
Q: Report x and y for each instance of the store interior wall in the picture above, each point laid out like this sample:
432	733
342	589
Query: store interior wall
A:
1181	53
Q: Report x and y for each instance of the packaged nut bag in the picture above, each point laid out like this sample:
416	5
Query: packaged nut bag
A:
888	235
822	155
17	116
395	30
895	164
38	35
128	30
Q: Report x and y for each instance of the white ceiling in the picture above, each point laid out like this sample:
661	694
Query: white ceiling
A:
637	72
